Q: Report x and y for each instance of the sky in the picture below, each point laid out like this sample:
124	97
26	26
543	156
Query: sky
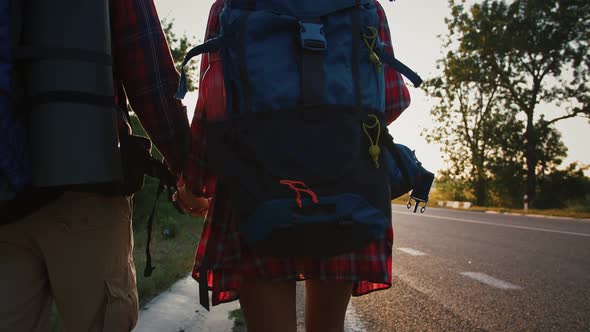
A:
415	26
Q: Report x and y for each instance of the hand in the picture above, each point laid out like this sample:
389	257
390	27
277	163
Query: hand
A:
190	203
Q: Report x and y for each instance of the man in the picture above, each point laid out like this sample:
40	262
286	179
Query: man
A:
75	247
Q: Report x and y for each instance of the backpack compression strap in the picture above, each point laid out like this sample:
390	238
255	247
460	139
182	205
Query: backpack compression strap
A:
401	68
210	46
36	54
390	60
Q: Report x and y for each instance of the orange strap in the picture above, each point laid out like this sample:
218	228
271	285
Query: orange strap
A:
300	187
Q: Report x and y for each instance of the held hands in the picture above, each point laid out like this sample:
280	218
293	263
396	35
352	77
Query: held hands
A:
190	203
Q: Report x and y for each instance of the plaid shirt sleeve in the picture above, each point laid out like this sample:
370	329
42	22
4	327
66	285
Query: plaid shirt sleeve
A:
143	63
397	96
196	176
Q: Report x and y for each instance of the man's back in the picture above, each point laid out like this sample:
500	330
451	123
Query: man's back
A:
76	249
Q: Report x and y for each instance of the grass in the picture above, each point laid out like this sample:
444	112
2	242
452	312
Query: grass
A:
55	323
570	213
239	322
550	212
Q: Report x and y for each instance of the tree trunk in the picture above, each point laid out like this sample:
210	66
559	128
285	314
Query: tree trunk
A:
481	182
531	159
481	192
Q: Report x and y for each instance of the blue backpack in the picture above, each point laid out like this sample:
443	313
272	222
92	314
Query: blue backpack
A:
303	151
15	165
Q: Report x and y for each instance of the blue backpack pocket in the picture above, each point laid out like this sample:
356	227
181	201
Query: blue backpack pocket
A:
330	227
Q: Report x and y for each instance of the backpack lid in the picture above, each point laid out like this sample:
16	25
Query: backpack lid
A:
298	8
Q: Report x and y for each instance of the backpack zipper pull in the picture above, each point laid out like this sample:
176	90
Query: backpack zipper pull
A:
370	40
374	152
374	58
374	149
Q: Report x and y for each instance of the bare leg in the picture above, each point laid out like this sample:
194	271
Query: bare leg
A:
325	305
268	306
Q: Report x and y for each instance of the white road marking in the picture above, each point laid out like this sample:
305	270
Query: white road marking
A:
495	224
352	322
412	252
489	280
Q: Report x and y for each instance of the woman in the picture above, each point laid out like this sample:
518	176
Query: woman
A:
265	286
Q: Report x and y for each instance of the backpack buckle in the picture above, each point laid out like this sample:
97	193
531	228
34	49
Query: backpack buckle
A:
312	36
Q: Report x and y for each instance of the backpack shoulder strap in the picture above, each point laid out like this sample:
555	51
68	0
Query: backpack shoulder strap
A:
402	69
210	46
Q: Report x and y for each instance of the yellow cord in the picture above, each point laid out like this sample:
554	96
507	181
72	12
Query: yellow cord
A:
370	41
374	149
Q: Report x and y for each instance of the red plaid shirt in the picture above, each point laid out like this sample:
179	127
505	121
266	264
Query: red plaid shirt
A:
228	260
144	65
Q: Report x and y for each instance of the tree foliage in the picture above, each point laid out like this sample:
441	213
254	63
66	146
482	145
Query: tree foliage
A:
179	46
562	188
466	116
503	61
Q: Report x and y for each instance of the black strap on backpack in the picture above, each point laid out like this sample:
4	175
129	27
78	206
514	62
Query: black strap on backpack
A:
153	168
149	268
167	180
401	68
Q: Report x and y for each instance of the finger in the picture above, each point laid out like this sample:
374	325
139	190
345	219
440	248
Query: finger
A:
197	203
188	202
177	204
201	203
186	209
199	212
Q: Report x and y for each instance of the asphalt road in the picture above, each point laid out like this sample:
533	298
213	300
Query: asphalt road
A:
473	271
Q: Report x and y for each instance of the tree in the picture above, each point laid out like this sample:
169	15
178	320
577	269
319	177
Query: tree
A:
476	132
561	188
449	187
179	46
467	116
508	180
536	52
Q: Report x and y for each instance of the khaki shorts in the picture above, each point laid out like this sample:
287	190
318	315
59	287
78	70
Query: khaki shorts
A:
76	251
